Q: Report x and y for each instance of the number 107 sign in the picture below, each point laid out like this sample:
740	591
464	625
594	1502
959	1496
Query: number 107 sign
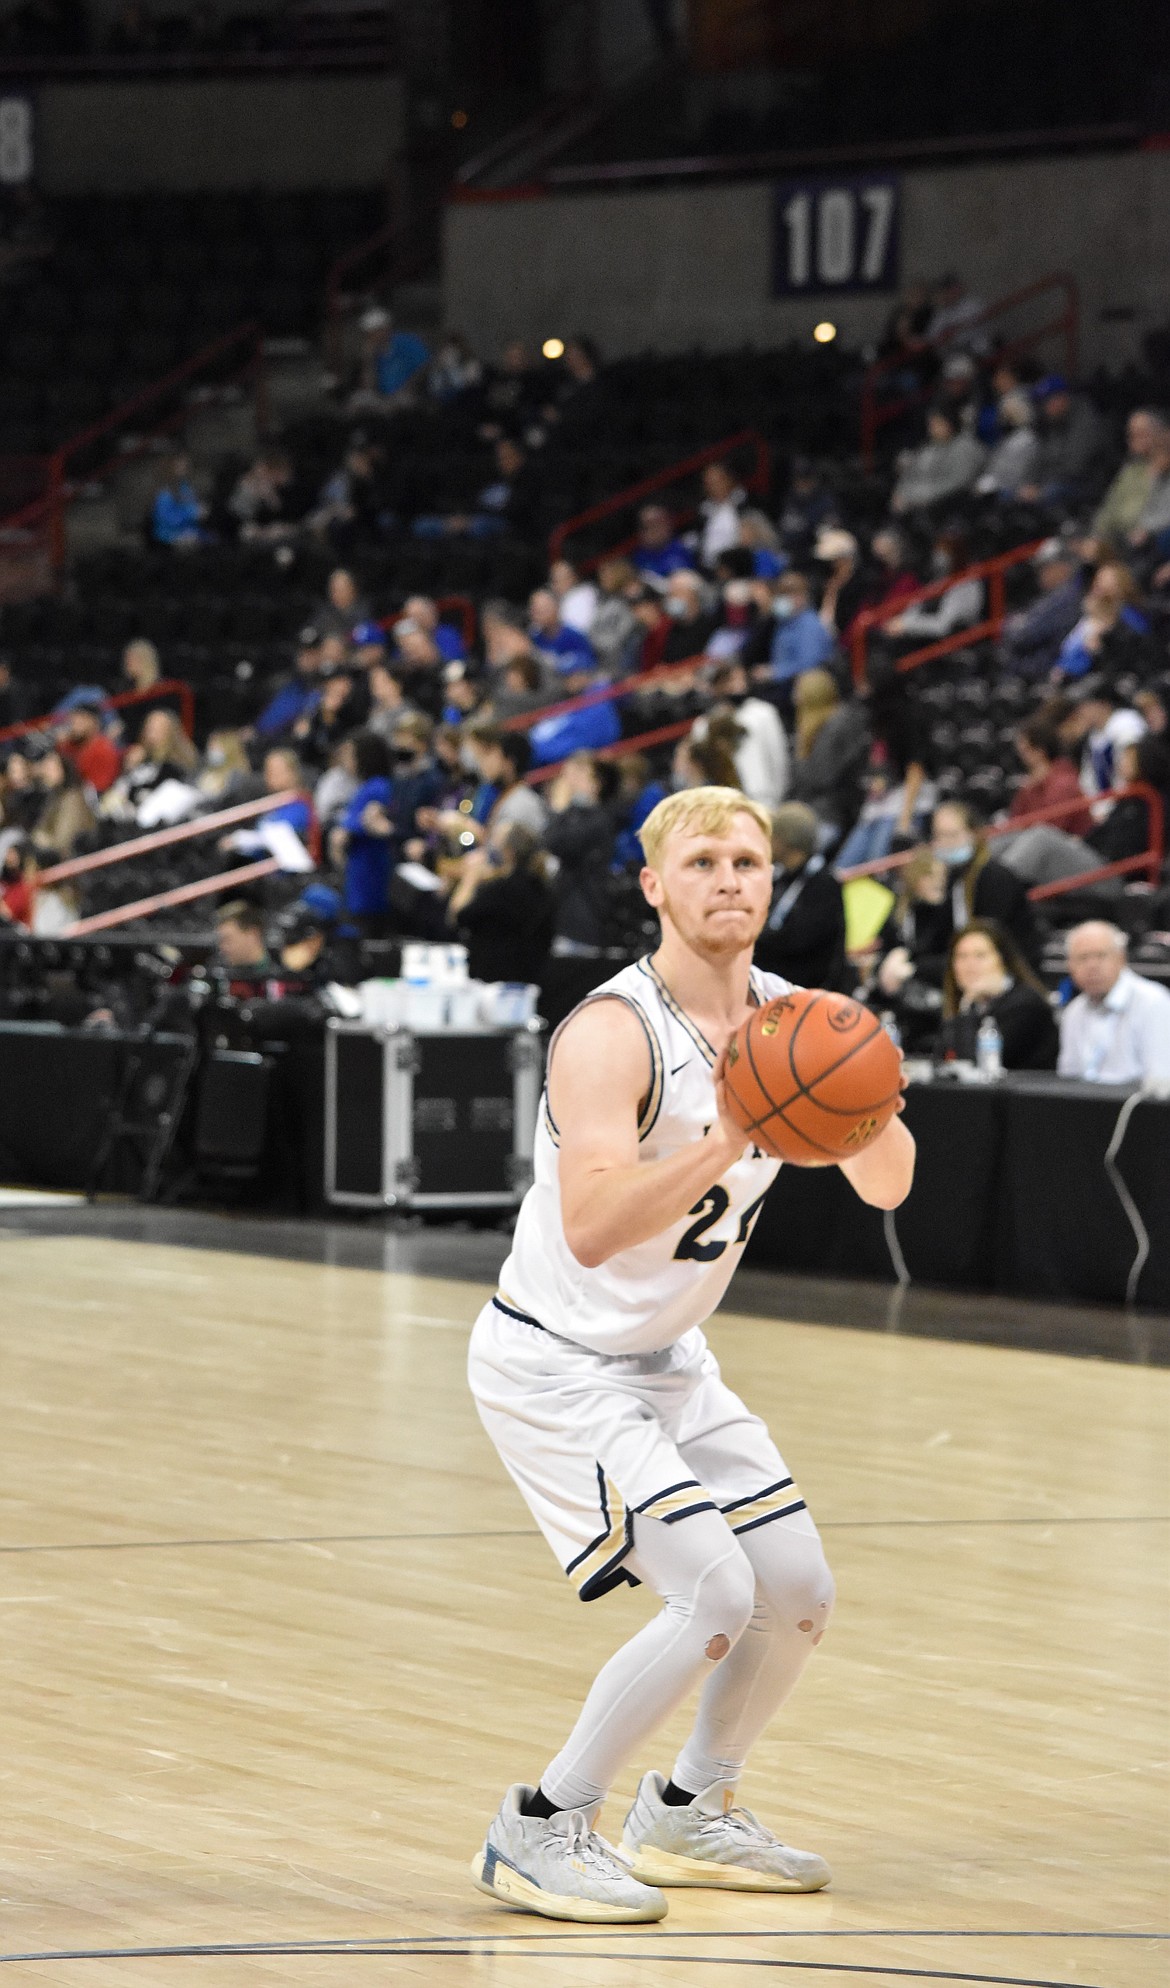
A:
835	234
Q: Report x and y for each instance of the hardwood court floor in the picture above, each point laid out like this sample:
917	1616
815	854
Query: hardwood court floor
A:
278	1631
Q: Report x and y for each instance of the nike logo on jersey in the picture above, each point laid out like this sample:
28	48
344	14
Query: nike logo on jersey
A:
680	1066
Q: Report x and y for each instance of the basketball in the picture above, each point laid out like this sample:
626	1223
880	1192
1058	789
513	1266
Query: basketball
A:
812	1077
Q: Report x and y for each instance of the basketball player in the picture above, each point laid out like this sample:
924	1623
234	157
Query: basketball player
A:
594	1380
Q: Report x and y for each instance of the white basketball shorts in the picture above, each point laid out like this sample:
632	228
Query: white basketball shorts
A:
594	1439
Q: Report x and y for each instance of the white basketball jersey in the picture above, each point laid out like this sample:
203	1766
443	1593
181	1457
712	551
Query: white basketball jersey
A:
644	1298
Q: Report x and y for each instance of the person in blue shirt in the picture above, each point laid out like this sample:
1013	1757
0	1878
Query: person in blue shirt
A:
1112	634
801	641
658	552
299	695
564	646
366	832
177	515
421	609
583	730
392	358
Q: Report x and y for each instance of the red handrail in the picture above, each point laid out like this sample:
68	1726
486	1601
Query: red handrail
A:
164	838
1150	860
165	687
991	570
48	510
875	413
143	907
756	480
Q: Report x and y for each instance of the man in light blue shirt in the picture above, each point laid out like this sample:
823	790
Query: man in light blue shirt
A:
801	642
1117	1029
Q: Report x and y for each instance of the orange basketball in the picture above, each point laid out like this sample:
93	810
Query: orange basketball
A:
812	1077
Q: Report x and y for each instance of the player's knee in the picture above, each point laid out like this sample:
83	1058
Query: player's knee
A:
724	1599
796	1586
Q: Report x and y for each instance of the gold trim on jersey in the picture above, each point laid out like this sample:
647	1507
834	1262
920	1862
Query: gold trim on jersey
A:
680	1015
776	1502
605	1553
678	1501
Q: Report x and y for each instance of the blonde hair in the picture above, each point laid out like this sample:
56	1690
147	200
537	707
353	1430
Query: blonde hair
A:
699	811
815	697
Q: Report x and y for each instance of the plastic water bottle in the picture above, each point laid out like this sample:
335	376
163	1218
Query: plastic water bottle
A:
989	1048
889	1022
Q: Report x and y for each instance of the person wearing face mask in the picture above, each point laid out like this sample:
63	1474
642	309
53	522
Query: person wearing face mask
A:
977	885
960	606
800	640
418	782
692	623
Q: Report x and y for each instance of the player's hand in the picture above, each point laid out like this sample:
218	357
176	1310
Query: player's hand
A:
733	1136
903	1080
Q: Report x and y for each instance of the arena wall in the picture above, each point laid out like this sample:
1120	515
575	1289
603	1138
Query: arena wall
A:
681	267
150	135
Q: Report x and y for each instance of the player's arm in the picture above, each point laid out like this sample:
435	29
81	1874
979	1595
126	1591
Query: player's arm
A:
610	1200
883	1174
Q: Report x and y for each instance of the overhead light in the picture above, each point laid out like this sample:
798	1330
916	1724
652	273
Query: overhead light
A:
824	332
553	348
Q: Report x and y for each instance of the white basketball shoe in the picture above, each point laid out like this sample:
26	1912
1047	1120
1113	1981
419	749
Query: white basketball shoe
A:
710	1842
559	1866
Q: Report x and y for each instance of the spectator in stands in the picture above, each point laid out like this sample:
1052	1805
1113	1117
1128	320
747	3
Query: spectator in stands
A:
574	393
21	796
343	608
585	729
88	748
18	884
1150	537
804	935
576	598
1052	777
501	760
177	515
64	815
946	465
503	907
297	696
1152	701
899	794
519	690
706	757
565	646
389	703
1031	640
914	943
808	505
658	552
1112	635
1015	457
454	371
507	504
347	502
243	949
1070	440
141	668
392	362
318	733
759	536
692	620
987	975
156	786
847	587
832	745
724	499
1117	1028
958	388
959	606
1122	505
800	640
579	834
363	841
614	630
1097	725
638	794
289	831
762	758
418	779
956	317
904	340
226	775
977	885
511	394
895	578
424	613
259	499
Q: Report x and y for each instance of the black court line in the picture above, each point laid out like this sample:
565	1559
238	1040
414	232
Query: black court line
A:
530	1532
544	1949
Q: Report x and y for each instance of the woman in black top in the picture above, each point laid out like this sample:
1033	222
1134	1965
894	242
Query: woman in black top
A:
987	974
503	908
